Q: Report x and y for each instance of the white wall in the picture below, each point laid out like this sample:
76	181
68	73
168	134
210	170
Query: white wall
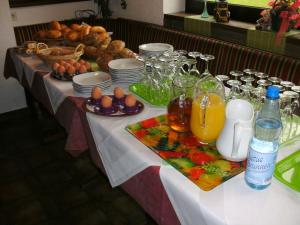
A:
151	11
171	6
46	13
11	93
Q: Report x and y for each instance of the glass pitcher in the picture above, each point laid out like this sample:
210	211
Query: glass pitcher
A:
208	109
179	108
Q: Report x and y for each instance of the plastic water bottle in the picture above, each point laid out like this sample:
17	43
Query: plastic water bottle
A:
264	145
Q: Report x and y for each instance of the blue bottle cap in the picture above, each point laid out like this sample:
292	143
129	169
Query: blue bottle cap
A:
273	92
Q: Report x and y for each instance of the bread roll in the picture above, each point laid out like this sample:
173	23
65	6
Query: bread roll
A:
73	36
76	27
115	47
63	26
103	61
55	25
127	53
98	29
90	52
42	34
102	36
84	31
106	41
53	34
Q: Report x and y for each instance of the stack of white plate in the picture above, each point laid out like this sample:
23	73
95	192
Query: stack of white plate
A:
85	82
154	49
125	71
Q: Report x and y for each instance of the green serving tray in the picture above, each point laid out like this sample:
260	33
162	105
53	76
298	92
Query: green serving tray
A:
288	171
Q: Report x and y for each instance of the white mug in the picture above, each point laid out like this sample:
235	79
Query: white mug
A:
234	139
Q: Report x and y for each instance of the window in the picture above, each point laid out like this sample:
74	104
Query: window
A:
256	3
242	10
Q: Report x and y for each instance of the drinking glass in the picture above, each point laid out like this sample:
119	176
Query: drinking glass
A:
264	83
248	80
275	80
206	58
234	92
223	78
249	72
235	74
287	85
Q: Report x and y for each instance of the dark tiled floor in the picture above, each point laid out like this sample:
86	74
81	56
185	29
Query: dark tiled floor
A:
40	184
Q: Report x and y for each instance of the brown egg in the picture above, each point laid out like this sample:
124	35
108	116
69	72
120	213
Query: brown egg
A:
71	70
55	66
106	101
88	66
96	93
61	70
130	101
118	92
82	69
82	62
72	61
61	61
76	65
67	65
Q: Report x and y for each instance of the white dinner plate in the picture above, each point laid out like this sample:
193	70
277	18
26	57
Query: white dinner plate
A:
125	64
91	78
155	47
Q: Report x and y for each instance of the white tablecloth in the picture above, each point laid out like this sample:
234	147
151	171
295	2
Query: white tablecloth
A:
28	65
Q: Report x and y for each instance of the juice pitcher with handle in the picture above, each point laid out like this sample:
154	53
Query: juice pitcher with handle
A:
208	109
234	139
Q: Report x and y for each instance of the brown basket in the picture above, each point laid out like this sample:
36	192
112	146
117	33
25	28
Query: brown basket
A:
44	52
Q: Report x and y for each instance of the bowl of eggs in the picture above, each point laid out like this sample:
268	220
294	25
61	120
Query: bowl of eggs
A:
118	104
67	69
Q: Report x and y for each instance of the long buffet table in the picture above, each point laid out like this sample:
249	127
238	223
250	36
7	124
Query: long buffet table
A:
168	196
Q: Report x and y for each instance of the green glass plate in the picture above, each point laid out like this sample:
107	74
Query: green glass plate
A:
141	90
287	171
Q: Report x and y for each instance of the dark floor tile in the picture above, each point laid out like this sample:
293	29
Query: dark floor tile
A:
53	174
130	210
87	214
26	212
39	157
71	197
14	190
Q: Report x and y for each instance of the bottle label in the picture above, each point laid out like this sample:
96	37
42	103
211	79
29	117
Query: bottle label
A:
260	167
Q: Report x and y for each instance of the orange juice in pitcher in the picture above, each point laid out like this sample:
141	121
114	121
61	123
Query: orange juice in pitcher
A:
207	117
208	107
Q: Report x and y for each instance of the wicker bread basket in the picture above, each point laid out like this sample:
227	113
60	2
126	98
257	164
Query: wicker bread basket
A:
45	53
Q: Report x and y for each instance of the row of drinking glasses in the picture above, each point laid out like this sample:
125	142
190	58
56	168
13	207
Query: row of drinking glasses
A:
160	71
251	85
